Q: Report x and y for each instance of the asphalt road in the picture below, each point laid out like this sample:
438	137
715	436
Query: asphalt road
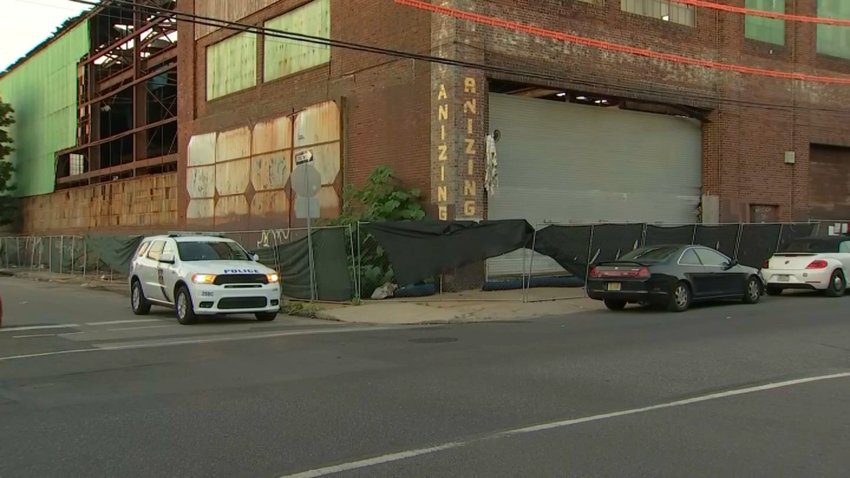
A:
724	390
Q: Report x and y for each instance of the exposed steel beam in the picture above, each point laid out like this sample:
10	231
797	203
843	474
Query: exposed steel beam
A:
97	54
121	168
156	124
166	68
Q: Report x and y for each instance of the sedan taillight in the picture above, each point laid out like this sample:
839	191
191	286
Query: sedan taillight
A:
818	264
644	273
766	264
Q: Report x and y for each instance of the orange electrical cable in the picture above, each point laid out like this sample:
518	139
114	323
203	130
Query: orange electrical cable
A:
764	13
643	52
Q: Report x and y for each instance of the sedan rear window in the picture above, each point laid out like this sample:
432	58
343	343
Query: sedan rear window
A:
650	255
211	251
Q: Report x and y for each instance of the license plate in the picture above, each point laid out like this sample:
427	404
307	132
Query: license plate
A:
614	286
784	278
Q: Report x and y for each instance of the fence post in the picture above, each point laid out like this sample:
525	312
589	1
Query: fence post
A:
61	252
643	235
779	239
85	257
353	264
527	283
359	266
738	241
587	268
694	234
73	257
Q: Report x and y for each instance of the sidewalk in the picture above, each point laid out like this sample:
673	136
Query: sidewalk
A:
462	307
470	306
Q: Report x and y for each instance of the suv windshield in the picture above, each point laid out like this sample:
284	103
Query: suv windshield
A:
211	251
650	255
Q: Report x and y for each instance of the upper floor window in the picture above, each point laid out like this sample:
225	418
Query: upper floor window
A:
768	30
666	10
834	40
283	56
231	65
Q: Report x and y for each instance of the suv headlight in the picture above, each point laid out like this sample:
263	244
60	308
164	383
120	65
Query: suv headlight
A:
203	278
273	278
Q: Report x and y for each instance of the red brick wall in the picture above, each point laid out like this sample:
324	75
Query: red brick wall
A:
744	143
390	104
384	99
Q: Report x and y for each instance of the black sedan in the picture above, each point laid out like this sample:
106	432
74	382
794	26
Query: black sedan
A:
673	276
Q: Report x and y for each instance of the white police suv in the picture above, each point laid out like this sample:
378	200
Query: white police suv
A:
201	274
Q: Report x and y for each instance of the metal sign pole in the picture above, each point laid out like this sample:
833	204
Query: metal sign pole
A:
310	250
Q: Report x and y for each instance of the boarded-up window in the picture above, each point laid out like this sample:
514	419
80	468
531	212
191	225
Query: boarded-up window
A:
231	65
834	40
666	10
768	30
284	56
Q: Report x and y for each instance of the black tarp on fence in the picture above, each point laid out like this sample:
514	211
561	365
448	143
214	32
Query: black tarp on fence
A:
722	238
331	261
420	250
568	245
660	235
610	241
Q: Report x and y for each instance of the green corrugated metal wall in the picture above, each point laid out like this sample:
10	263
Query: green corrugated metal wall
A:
43	92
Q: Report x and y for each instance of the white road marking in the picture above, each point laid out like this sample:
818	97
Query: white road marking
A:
201	340
144	327
120	322
38	327
379	460
33	336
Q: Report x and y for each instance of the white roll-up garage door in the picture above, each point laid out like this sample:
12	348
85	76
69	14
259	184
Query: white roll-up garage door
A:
562	163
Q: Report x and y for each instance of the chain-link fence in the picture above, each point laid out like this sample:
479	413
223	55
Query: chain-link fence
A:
64	254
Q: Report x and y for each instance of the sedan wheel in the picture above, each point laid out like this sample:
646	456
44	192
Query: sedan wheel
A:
614	304
753	293
837	284
680	300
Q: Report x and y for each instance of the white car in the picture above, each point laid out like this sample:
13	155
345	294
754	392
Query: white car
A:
812	263
201	274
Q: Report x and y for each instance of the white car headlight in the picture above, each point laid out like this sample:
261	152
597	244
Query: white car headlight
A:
273	278
203	278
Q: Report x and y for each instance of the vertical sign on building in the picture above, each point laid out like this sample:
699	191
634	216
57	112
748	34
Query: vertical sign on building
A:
470	111
442	152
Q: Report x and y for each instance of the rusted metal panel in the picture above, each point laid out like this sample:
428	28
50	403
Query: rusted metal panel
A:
200	209
282	57
326	158
270	204
230	208
829	182
229	10
200	182
233	177
231	65
272	135
201	150
317	124
233	144
270	171
145	202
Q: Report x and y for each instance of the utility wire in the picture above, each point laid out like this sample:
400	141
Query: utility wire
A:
672	96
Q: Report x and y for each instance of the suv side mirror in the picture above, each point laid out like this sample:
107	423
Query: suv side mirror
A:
167	259
255	258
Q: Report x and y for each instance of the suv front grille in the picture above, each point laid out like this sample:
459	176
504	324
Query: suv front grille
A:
241	279
230	303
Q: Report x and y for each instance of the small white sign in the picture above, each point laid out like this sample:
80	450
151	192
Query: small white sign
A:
303	157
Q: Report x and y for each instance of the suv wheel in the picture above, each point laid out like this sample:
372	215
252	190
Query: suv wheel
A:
266	316
138	301
184	308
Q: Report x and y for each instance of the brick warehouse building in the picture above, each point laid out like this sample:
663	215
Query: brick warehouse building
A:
585	134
